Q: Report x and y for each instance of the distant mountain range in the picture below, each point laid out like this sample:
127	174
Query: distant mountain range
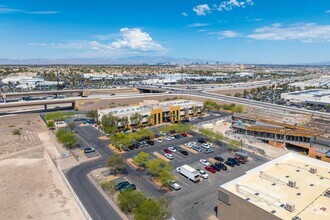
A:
137	60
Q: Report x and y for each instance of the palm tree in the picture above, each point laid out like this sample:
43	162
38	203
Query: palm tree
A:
172	116
151	120
125	122
186	113
194	110
139	119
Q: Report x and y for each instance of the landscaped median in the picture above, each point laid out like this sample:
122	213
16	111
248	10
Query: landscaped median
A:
161	156
116	150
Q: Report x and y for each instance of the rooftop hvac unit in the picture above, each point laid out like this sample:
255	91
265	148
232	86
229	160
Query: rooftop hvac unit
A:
313	170
296	218
292	183
327	192
290	207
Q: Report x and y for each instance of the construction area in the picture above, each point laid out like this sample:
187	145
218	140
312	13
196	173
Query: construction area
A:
292	187
285	130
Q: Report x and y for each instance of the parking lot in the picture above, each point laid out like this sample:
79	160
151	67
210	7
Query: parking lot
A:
194	200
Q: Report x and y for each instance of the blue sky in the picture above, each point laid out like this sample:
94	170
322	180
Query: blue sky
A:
252	31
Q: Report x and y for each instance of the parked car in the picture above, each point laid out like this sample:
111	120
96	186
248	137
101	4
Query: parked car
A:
167	151
196	148
172	149
184	152
177	148
241	160
159	141
206	146
229	163
150	142
203	174
210	169
183	134
121	185
169	156
204	162
168	138
89	150
220	159
175	186
128	187
217	168
208	151
235	161
178	136
202	140
221	165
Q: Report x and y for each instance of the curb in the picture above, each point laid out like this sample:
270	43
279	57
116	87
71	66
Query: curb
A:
111	202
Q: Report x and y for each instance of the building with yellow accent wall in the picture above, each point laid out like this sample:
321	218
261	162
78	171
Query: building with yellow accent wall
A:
155	112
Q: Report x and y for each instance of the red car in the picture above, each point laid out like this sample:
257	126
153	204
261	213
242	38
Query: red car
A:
184	134
210	169
167	151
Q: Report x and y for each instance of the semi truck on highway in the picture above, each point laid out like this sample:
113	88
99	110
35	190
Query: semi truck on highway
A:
189	172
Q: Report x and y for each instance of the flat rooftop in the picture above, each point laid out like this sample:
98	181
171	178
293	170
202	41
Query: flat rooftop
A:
267	187
146	106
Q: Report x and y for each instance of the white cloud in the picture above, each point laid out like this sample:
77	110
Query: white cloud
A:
228	34
6	10
184	14
304	32
231	4
131	41
202	10
136	39
327	11
198	25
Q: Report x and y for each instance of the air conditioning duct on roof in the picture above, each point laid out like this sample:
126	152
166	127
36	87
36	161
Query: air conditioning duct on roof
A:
313	170
292	183
290	207
327	192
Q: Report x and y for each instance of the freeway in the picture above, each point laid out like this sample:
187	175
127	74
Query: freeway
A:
175	92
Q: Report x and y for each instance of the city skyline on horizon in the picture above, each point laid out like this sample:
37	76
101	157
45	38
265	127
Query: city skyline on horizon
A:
246	31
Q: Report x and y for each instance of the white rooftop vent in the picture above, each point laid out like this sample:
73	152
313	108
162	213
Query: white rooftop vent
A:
290	206
296	218
292	183
327	192
313	170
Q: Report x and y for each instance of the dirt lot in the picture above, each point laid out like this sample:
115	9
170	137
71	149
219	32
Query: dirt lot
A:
30	185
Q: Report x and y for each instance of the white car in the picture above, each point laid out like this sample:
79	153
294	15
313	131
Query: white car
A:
169	156
172	137
193	143
207	145
175	186
188	145
172	149
168	138
204	162
203	174
159	141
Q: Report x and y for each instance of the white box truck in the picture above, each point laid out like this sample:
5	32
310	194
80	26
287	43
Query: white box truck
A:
189	172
